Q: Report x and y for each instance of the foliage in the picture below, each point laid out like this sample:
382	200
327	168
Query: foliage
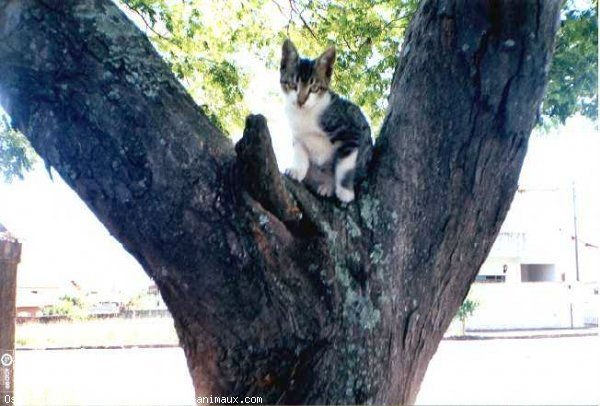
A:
16	155
210	55
21	342
70	306
142	301
205	52
573	84
135	301
367	34
466	310
212	46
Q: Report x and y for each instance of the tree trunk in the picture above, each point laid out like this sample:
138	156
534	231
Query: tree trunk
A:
276	292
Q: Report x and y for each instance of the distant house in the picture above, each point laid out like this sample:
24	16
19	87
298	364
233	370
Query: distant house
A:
31	300
533	277
147	304
156	301
104	304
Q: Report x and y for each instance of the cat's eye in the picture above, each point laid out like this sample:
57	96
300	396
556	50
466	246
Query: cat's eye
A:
315	89
289	85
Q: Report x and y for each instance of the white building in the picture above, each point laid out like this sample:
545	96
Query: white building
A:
532	278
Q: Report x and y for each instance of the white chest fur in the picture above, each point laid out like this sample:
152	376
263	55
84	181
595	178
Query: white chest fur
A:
304	123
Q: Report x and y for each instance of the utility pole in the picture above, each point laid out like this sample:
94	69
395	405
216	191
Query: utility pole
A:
575	233
10	255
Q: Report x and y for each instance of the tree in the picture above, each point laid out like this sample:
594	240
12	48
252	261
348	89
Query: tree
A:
466	310
209	54
203	52
573	84
71	306
16	156
274	291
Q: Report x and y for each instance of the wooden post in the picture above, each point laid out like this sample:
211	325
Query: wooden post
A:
10	255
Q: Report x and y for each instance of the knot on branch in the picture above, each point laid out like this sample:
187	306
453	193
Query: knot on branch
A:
258	170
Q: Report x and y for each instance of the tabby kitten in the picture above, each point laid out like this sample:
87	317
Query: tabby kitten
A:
331	137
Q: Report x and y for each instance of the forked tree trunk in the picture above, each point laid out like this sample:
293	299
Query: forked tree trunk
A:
274	291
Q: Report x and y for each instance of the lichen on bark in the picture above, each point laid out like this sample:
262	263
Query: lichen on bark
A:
275	291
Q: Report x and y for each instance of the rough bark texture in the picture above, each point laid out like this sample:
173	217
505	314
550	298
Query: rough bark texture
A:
274	291
10	256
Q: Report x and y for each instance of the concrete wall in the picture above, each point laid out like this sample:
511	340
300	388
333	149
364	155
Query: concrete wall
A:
529	305
497	265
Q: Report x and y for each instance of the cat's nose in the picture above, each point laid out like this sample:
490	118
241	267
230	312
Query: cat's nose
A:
301	97
301	101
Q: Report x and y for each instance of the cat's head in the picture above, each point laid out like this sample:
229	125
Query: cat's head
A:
305	81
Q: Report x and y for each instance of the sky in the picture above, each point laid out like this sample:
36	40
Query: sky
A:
556	163
62	240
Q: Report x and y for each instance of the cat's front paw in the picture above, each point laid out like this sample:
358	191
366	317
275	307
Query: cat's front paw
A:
325	189
345	195
295	174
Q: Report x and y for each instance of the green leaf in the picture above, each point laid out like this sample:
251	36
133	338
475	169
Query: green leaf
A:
16	155
207	44
573	85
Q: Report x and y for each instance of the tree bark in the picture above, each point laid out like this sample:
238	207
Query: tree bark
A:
10	256
276	292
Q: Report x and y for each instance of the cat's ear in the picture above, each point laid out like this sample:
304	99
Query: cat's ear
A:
325	63
289	54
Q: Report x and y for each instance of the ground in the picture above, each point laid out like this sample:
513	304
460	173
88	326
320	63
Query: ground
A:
97	333
504	371
520	371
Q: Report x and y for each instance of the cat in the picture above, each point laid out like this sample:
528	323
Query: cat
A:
331	137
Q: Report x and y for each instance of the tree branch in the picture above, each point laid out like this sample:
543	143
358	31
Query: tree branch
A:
461	135
148	25
349	310
257	166
463	102
96	100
